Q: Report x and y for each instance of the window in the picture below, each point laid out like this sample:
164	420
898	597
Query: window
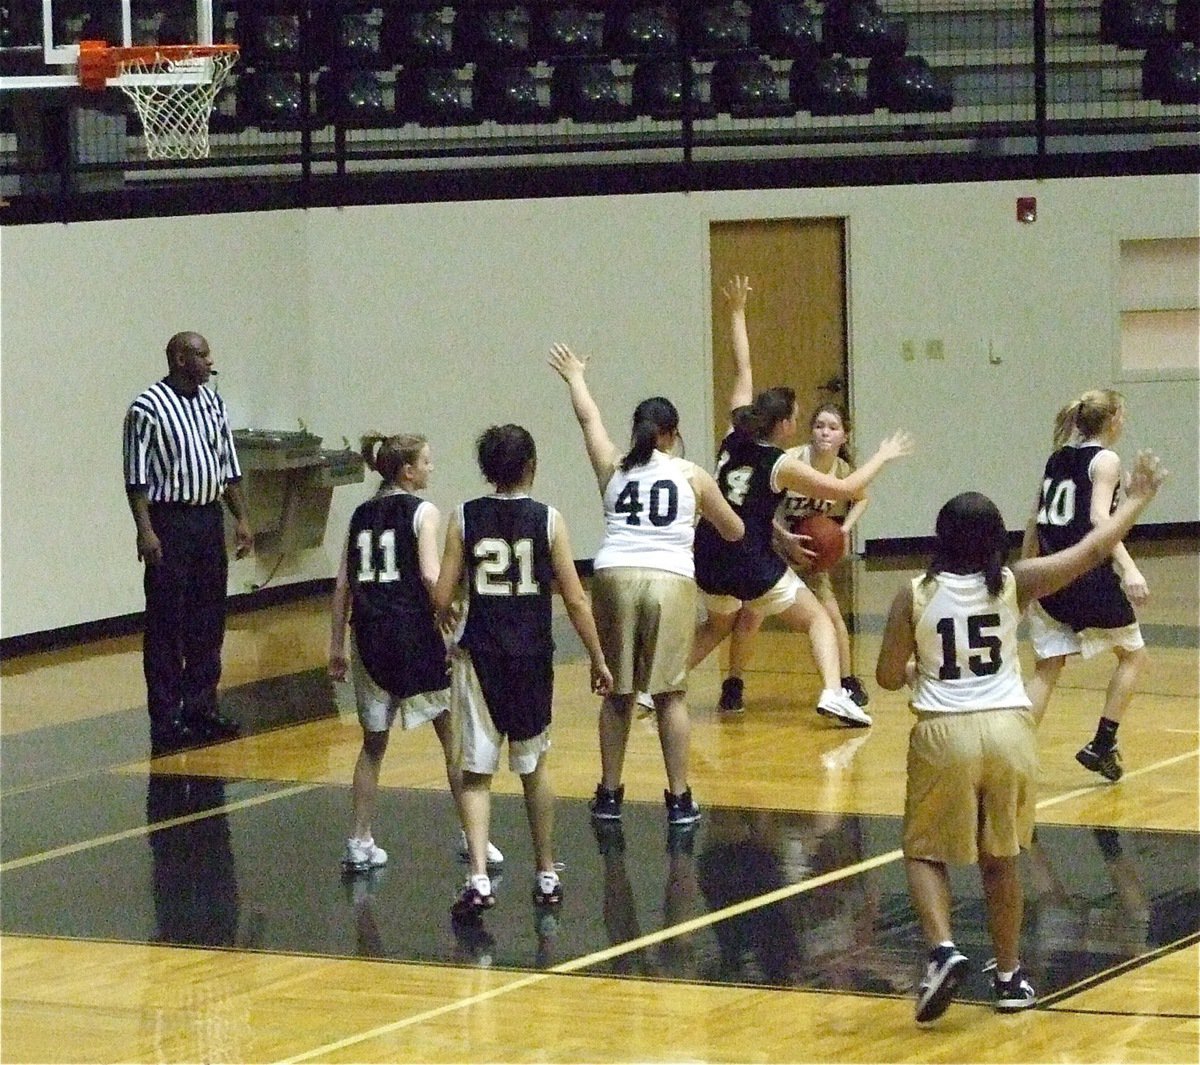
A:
1159	299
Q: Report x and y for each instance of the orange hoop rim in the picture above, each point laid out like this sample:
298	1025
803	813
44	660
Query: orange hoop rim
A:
99	61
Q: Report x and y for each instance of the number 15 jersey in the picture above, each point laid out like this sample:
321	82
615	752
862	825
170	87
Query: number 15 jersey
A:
966	644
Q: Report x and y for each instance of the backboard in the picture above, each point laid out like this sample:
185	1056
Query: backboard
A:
39	44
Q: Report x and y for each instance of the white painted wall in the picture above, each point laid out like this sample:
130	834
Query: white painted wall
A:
437	318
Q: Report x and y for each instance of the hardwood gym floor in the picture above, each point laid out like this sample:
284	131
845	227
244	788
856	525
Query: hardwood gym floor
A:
191	908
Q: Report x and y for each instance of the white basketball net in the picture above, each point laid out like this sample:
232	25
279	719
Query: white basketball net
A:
174	99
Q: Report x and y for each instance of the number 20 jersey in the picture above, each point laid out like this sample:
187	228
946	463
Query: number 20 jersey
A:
966	644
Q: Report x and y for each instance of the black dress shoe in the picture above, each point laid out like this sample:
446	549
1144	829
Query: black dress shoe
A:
214	727
171	737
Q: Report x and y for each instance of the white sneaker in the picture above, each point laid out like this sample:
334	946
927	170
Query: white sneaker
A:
646	701
836	703
363	854
494	857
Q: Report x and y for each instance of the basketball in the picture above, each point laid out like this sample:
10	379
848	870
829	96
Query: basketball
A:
826	540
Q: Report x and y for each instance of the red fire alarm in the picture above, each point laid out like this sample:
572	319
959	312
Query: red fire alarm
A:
1026	209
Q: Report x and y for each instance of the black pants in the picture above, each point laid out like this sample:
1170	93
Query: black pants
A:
185	614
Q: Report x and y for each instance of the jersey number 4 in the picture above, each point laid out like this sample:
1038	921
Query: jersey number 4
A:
661	509
983	664
495	557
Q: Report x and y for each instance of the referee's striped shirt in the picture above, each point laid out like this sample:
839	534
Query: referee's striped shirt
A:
179	449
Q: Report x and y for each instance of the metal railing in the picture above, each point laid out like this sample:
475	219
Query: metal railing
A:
349	101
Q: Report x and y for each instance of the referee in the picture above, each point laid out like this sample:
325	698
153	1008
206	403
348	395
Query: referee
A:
179	463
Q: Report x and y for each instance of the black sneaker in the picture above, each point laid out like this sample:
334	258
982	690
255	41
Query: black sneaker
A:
610	837
947	968
1013	994
681	837
1108	764
855	690
731	695
605	804
681	810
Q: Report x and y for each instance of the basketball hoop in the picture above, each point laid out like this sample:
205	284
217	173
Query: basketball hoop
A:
173	87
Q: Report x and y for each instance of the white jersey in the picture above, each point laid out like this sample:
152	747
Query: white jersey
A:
966	644
650	517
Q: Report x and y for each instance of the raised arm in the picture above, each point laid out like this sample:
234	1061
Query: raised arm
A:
601	450
735	293
800	477
1038	577
578	609
714	507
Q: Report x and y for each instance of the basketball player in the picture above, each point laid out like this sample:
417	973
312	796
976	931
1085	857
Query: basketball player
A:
388	570
643	588
825	453
754	474
510	551
1080	486
951	635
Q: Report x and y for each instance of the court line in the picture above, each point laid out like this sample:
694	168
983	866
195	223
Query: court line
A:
628	947
670	932
145	830
299	789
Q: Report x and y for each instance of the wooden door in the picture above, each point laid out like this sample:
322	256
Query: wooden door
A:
796	318
796	314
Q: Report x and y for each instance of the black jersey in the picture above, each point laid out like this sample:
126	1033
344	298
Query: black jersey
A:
1096	599
749	567
395	632
506	551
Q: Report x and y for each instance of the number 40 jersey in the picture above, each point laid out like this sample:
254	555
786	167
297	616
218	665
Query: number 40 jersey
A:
650	517
966	644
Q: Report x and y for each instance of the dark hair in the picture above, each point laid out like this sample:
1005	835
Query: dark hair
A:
388	455
767	411
506	453
971	538
651	418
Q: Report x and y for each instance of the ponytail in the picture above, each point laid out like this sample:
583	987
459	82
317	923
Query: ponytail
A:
651	418
1064	424
1088	416
388	455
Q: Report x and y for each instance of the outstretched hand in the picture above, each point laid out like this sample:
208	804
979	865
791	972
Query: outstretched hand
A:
736	291
1146	477
897	446
566	363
